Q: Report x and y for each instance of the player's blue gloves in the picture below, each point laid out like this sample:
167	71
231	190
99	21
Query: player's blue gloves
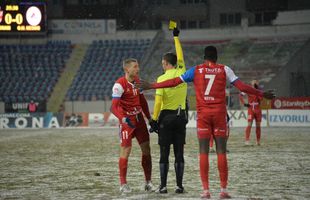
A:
127	121
176	32
154	126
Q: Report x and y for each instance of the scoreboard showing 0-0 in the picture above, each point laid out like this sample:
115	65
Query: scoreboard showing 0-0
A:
22	17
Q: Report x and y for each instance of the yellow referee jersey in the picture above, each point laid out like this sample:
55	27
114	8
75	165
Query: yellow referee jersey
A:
172	98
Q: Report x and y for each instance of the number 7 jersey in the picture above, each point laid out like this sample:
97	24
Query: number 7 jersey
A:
210	83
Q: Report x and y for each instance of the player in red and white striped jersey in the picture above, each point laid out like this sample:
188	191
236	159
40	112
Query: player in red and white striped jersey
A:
128	105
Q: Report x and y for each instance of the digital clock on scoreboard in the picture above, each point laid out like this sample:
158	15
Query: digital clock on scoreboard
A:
23	17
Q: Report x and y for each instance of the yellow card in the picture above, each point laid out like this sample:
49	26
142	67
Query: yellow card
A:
172	25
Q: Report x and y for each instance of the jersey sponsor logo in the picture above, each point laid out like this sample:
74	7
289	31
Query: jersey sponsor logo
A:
213	70
210	70
202	129
134	112
219	130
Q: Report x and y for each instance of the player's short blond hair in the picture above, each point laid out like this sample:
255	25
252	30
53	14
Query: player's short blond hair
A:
127	61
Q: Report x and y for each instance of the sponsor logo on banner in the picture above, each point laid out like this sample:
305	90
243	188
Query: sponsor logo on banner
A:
75	119
33	120
22	107
102	120
289	118
94	26
291	103
96	120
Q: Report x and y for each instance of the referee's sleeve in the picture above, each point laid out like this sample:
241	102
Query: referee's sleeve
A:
180	57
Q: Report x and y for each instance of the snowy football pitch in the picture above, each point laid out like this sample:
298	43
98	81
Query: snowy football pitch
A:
83	164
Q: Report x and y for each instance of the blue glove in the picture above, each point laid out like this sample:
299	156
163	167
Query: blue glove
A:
127	121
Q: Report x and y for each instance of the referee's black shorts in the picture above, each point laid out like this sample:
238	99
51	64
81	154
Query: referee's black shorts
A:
172	127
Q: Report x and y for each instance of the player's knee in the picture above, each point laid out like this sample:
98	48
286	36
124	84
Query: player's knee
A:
125	151
220	144
145	148
204	145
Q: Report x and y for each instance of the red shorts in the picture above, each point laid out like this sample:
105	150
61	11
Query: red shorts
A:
212	124
254	114
140	131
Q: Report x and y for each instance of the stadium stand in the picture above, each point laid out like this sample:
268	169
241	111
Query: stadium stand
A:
29	72
101	66
260	59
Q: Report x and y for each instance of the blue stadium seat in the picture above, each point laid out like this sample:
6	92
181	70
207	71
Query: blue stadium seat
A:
31	69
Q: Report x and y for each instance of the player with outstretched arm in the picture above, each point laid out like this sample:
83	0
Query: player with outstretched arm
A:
209	79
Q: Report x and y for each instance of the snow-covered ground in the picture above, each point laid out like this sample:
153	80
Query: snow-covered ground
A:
83	164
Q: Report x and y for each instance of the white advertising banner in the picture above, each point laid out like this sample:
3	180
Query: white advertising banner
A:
98	26
238	118
289	118
96	120
102	120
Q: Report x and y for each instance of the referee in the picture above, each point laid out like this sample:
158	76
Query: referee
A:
171	104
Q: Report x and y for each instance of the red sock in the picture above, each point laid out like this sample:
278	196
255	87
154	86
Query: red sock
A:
211	142
147	166
247	133
122	164
223	169
204	170
258	134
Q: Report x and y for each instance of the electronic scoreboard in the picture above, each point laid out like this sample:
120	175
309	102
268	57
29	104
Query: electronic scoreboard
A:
23	17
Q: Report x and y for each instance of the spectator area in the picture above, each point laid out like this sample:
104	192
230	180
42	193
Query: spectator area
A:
31	71
101	66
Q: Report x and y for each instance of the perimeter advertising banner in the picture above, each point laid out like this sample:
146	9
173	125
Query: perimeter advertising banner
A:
93	26
296	118
238	118
22	107
106	119
34	120
75	120
291	103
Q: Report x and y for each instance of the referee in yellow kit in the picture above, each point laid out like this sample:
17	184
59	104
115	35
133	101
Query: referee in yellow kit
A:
170	113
